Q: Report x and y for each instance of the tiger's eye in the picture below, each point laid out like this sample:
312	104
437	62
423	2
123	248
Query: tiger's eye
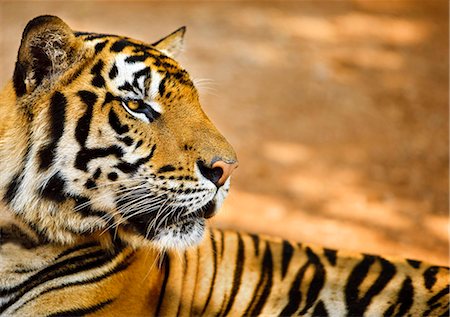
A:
133	105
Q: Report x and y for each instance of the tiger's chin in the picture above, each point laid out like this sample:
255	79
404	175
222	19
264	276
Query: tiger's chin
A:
175	237
181	235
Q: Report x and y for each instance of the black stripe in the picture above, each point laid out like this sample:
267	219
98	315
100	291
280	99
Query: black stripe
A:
255	240
414	263
317	282
113	72
38	231
166	168
97	173
57	113
264	286
70	251
84	123
320	310
66	267
222	243
357	305
118	268
237	276
93	36
126	140
136	58
295	295
440	294
84	156
54	189
128	87
131	168
109	97
143	72
82	311
433	303
286	257
330	255
315	286
162	86
76	249
14	234
138	144
98	36
404	300
430	276
115	123
127	168
213	280
166	263
13	187
100	46
98	80
80	33
83	207
120	45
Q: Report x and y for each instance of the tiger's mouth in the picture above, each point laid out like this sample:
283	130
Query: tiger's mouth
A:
176	222
208	210
205	212
178	218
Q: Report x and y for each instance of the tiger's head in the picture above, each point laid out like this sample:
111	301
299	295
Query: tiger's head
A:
104	135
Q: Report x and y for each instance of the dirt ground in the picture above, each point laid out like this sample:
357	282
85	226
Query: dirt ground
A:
338	110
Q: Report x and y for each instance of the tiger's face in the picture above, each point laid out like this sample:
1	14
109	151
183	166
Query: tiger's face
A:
118	144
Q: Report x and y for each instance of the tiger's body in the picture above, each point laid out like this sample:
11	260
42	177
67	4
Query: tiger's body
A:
109	170
228	274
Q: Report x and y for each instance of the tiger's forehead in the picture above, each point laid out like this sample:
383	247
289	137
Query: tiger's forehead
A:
136	80
134	69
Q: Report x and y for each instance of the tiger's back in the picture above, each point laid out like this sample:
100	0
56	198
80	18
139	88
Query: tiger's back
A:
109	171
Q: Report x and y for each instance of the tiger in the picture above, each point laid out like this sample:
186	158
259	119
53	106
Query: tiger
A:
109	172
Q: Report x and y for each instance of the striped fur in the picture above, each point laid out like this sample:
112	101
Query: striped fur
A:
229	274
107	177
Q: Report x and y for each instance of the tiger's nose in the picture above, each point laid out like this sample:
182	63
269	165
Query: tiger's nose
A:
219	171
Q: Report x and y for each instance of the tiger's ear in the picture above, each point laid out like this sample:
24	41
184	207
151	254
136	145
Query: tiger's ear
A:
172	44
48	48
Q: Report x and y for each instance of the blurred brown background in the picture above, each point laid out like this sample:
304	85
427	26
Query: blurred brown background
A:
338	110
